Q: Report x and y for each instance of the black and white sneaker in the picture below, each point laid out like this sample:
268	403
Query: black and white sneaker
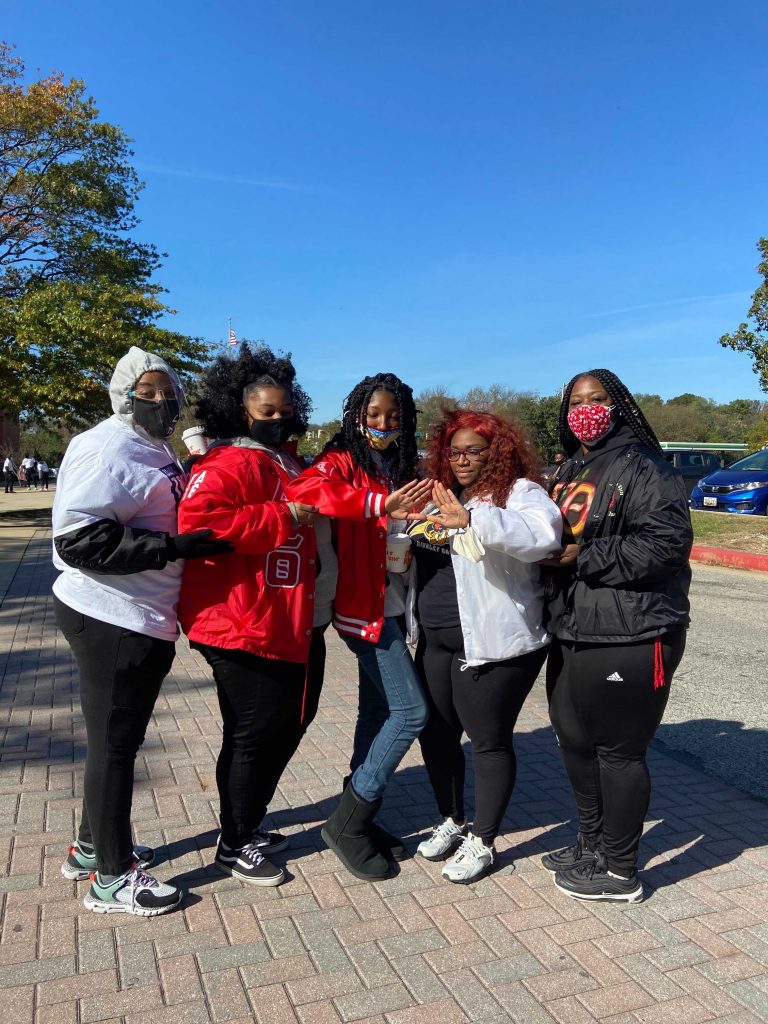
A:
570	857
248	864
595	882
269	842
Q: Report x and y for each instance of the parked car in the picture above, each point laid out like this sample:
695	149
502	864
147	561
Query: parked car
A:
741	488
692	463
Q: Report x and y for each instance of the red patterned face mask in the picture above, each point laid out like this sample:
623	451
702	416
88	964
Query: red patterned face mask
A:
590	423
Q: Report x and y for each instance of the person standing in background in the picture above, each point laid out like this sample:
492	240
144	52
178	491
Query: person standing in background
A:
9	473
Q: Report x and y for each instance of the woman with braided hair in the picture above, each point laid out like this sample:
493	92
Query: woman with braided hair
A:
617	608
365	479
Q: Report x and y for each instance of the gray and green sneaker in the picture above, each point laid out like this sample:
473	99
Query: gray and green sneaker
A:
79	865
135	892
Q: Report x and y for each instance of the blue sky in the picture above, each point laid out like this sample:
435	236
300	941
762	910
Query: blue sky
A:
464	192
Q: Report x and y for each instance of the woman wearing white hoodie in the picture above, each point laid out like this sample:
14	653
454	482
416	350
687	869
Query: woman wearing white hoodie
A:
476	602
115	543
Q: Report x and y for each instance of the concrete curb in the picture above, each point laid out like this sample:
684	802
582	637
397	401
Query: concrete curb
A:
732	559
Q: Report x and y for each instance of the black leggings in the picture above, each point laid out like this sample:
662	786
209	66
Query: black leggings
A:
605	710
120	676
484	702
261	709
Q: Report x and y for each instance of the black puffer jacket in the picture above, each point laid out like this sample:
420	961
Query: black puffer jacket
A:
631	577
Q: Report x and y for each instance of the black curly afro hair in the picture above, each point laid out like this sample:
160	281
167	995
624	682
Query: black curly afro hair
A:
221	385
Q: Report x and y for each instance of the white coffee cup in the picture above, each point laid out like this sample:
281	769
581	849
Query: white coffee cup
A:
195	440
398	552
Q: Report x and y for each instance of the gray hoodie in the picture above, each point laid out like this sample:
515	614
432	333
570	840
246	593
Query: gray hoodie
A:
128	370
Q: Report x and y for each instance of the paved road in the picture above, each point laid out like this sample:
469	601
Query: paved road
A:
718	712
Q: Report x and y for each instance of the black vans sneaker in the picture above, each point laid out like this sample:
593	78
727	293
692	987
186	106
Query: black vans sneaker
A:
571	856
248	864
595	882
269	842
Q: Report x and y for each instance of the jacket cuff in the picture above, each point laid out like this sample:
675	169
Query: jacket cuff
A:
374	504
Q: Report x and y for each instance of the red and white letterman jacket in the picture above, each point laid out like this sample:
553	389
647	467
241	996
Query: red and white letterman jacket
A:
260	597
340	488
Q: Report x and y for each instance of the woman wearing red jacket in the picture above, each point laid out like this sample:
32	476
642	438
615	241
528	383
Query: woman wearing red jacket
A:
250	612
364	476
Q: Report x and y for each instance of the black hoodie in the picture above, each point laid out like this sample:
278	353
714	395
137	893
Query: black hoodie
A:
629	513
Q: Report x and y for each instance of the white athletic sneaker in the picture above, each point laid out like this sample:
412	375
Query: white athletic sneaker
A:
79	865
472	860
135	892
445	837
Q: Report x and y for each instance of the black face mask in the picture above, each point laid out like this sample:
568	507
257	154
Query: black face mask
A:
273	433
157	418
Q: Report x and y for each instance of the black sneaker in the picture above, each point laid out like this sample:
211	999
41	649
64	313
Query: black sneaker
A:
569	857
269	842
248	864
593	881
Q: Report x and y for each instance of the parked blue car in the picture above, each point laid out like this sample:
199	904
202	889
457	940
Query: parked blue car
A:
741	488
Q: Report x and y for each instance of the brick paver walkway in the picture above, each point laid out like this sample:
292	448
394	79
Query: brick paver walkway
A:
326	947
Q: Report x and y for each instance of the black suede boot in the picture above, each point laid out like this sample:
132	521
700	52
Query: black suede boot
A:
389	846
347	833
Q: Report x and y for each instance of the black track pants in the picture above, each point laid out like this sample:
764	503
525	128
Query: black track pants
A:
605	710
484	702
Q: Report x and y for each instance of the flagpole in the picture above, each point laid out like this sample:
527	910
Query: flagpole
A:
229	335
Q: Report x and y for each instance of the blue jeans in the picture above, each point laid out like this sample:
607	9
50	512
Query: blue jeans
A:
392	709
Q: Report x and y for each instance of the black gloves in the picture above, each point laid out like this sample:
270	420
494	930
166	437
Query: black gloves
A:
196	545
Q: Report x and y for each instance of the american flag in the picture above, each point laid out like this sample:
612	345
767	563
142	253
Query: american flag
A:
232	337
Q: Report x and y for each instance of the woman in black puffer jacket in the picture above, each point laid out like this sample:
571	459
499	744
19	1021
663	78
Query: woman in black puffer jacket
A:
617	606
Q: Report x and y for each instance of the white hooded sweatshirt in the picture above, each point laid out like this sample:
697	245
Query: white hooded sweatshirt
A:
117	471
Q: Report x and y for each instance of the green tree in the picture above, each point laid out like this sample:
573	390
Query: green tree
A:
49	441
317	436
757	436
754	339
430	404
75	288
647	402
540	416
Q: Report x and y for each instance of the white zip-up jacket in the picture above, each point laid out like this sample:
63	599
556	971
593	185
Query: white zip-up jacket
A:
501	596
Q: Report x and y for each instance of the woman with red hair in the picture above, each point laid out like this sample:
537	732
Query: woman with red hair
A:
476	605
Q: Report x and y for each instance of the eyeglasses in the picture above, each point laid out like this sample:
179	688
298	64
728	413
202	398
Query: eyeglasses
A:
150	394
473	454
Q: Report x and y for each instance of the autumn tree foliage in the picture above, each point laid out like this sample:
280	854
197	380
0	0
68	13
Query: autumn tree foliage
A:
76	290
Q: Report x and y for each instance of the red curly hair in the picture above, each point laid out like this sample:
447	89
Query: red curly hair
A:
511	454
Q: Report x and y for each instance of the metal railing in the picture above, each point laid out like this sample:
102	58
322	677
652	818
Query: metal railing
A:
703	446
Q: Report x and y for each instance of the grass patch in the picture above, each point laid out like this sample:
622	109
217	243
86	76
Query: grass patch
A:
726	530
